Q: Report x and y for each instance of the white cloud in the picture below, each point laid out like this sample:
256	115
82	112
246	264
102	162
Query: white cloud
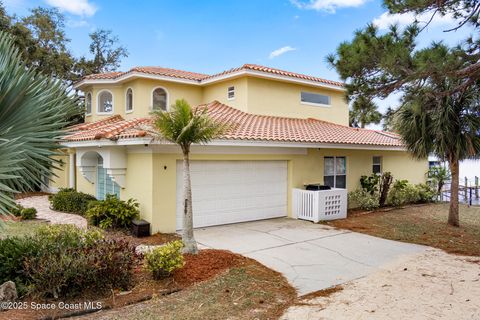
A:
77	23
280	51
386	19
329	6
76	7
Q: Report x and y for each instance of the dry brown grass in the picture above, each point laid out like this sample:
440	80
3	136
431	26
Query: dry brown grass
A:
422	224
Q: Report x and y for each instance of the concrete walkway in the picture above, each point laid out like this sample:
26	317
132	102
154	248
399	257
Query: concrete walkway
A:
42	205
311	256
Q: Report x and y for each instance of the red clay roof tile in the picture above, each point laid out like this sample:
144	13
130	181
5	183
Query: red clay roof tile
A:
244	126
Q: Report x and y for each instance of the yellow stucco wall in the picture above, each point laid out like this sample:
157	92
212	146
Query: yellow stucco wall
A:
60	177
142	97
253	95
268	97
218	91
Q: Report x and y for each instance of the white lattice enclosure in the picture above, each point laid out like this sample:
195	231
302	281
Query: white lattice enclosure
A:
320	205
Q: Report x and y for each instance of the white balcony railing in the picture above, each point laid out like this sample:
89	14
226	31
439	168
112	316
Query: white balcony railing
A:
319	205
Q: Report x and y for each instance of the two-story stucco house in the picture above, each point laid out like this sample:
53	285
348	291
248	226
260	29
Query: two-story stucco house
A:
290	130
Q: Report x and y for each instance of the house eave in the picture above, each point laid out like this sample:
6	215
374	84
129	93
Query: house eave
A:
232	143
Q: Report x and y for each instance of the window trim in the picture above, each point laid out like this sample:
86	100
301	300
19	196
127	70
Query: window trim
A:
335	170
314	103
378	164
98	102
126	101
228	91
167	101
87	114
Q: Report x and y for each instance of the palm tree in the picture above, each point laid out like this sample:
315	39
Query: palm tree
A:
33	112
448	127
185	126
364	111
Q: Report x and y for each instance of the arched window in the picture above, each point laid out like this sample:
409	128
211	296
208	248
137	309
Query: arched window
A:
88	103
105	102
129	100
159	99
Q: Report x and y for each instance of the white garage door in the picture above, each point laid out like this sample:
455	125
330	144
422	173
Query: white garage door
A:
234	191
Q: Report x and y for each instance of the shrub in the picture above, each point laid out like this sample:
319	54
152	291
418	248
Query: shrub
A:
426	193
67	235
64	261
28	213
370	183
100	267
363	199
69	200
112	212
402	193
17	210
13	251
162	261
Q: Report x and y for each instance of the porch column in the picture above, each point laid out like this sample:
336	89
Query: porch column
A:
71	171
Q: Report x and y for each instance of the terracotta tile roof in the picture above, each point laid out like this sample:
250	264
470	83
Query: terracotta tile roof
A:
199	77
255	67
245	126
113	128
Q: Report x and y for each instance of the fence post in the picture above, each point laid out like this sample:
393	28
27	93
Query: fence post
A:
466	189
476	187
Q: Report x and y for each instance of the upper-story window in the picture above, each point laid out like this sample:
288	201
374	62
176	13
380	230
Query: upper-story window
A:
105	102
129	100
231	93
88	103
315	98
159	99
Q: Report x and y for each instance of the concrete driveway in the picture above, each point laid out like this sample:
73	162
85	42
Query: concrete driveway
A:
311	256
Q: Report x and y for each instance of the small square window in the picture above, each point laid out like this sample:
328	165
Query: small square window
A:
231	93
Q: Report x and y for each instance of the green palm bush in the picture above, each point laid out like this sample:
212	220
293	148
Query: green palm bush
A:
34	110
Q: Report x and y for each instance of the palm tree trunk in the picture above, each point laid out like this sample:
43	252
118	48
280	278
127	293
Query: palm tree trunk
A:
453	215
187	232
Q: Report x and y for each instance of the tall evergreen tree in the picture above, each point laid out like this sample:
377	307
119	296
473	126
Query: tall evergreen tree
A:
378	64
364	112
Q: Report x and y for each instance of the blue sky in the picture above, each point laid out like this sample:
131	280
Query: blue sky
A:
211	36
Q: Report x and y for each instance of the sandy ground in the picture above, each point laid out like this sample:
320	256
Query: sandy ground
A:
429	285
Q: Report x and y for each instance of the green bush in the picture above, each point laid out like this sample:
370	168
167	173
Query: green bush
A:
68	236
370	183
69	200
162	261
17	210
28	213
426	193
63	260
100	267
402	193
363	199
112	212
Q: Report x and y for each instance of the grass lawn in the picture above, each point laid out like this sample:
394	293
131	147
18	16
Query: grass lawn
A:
20	228
422	224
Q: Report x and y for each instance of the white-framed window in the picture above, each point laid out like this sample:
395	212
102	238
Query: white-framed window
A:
377	165
104	102
231	93
315	99
159	99
88	103
129	100
335	172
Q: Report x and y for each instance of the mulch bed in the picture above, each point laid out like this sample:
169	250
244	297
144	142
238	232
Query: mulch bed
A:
154	239
206	265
